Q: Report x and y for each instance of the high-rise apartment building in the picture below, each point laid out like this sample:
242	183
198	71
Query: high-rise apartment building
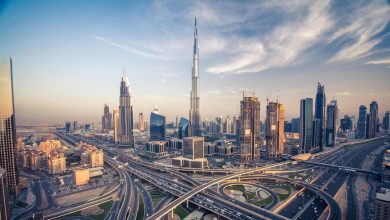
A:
332	112
106	119
56	163
7	126
306	125
320	114
125	114
116	126
228	125
249	127
75	126
362	122
274	130
141	122
195	119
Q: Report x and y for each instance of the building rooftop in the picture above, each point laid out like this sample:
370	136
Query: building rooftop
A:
383	195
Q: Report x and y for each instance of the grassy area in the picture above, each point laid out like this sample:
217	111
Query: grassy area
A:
182	213
240	188
263	202
285	187
140	213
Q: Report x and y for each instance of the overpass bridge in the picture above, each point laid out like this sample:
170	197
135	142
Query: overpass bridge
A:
268	214
349	169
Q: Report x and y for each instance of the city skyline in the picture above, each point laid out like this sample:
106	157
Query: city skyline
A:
351	58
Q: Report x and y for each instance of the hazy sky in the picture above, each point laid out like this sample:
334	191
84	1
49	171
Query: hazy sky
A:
69	55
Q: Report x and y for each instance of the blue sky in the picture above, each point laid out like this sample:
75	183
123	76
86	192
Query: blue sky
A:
69	55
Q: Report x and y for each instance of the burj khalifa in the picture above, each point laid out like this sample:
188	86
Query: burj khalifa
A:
195	120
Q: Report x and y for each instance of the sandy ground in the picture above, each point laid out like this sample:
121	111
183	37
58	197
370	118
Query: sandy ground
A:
44	203
235	194
280	191
80	197
95	210
210	217
362	186
175	217
341	199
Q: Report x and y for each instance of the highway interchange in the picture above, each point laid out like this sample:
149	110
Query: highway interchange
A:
313	200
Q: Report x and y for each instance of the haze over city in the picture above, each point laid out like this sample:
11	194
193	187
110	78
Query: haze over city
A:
69	56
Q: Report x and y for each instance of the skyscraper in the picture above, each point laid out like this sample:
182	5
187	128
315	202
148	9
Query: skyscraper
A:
295	122
362	122
141	122
274	130
372	120
7	126
68	127
195	119
106	119
4	201
331	123
320	114
183	128
75	125
125	114
116	126
306	125
157	126
228	125
385	124
249	127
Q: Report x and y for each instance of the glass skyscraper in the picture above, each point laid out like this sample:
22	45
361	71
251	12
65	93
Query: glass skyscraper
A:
361	130
319	135
332	112
306	125
7	126
183	128
157	127
125	114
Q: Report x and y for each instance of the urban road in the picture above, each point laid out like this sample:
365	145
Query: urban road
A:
310	203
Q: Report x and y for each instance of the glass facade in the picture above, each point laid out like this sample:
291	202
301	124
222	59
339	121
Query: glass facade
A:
157	127
7	125
306	125
183	128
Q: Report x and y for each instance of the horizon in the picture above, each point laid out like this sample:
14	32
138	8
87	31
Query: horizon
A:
68	61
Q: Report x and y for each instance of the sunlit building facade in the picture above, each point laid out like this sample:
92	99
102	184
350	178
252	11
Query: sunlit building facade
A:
5	213
7	126
249	137
116	126
274	130
125	114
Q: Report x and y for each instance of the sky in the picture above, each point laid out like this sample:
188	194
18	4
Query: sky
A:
69	56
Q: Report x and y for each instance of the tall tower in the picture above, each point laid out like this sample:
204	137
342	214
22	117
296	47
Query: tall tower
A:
249	127
372	125
7	126
106	119
195	120
362	123
116	126
319	135
274	130
125	114
306	125
141	122
332	112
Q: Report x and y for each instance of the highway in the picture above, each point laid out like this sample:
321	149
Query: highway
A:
146	198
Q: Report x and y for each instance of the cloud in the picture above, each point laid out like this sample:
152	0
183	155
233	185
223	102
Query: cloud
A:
381	61
282	46
360	30
133	50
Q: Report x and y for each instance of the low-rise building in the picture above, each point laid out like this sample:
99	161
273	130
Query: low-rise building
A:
157	148
175	144
190	163
382	205
81	176
49	146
